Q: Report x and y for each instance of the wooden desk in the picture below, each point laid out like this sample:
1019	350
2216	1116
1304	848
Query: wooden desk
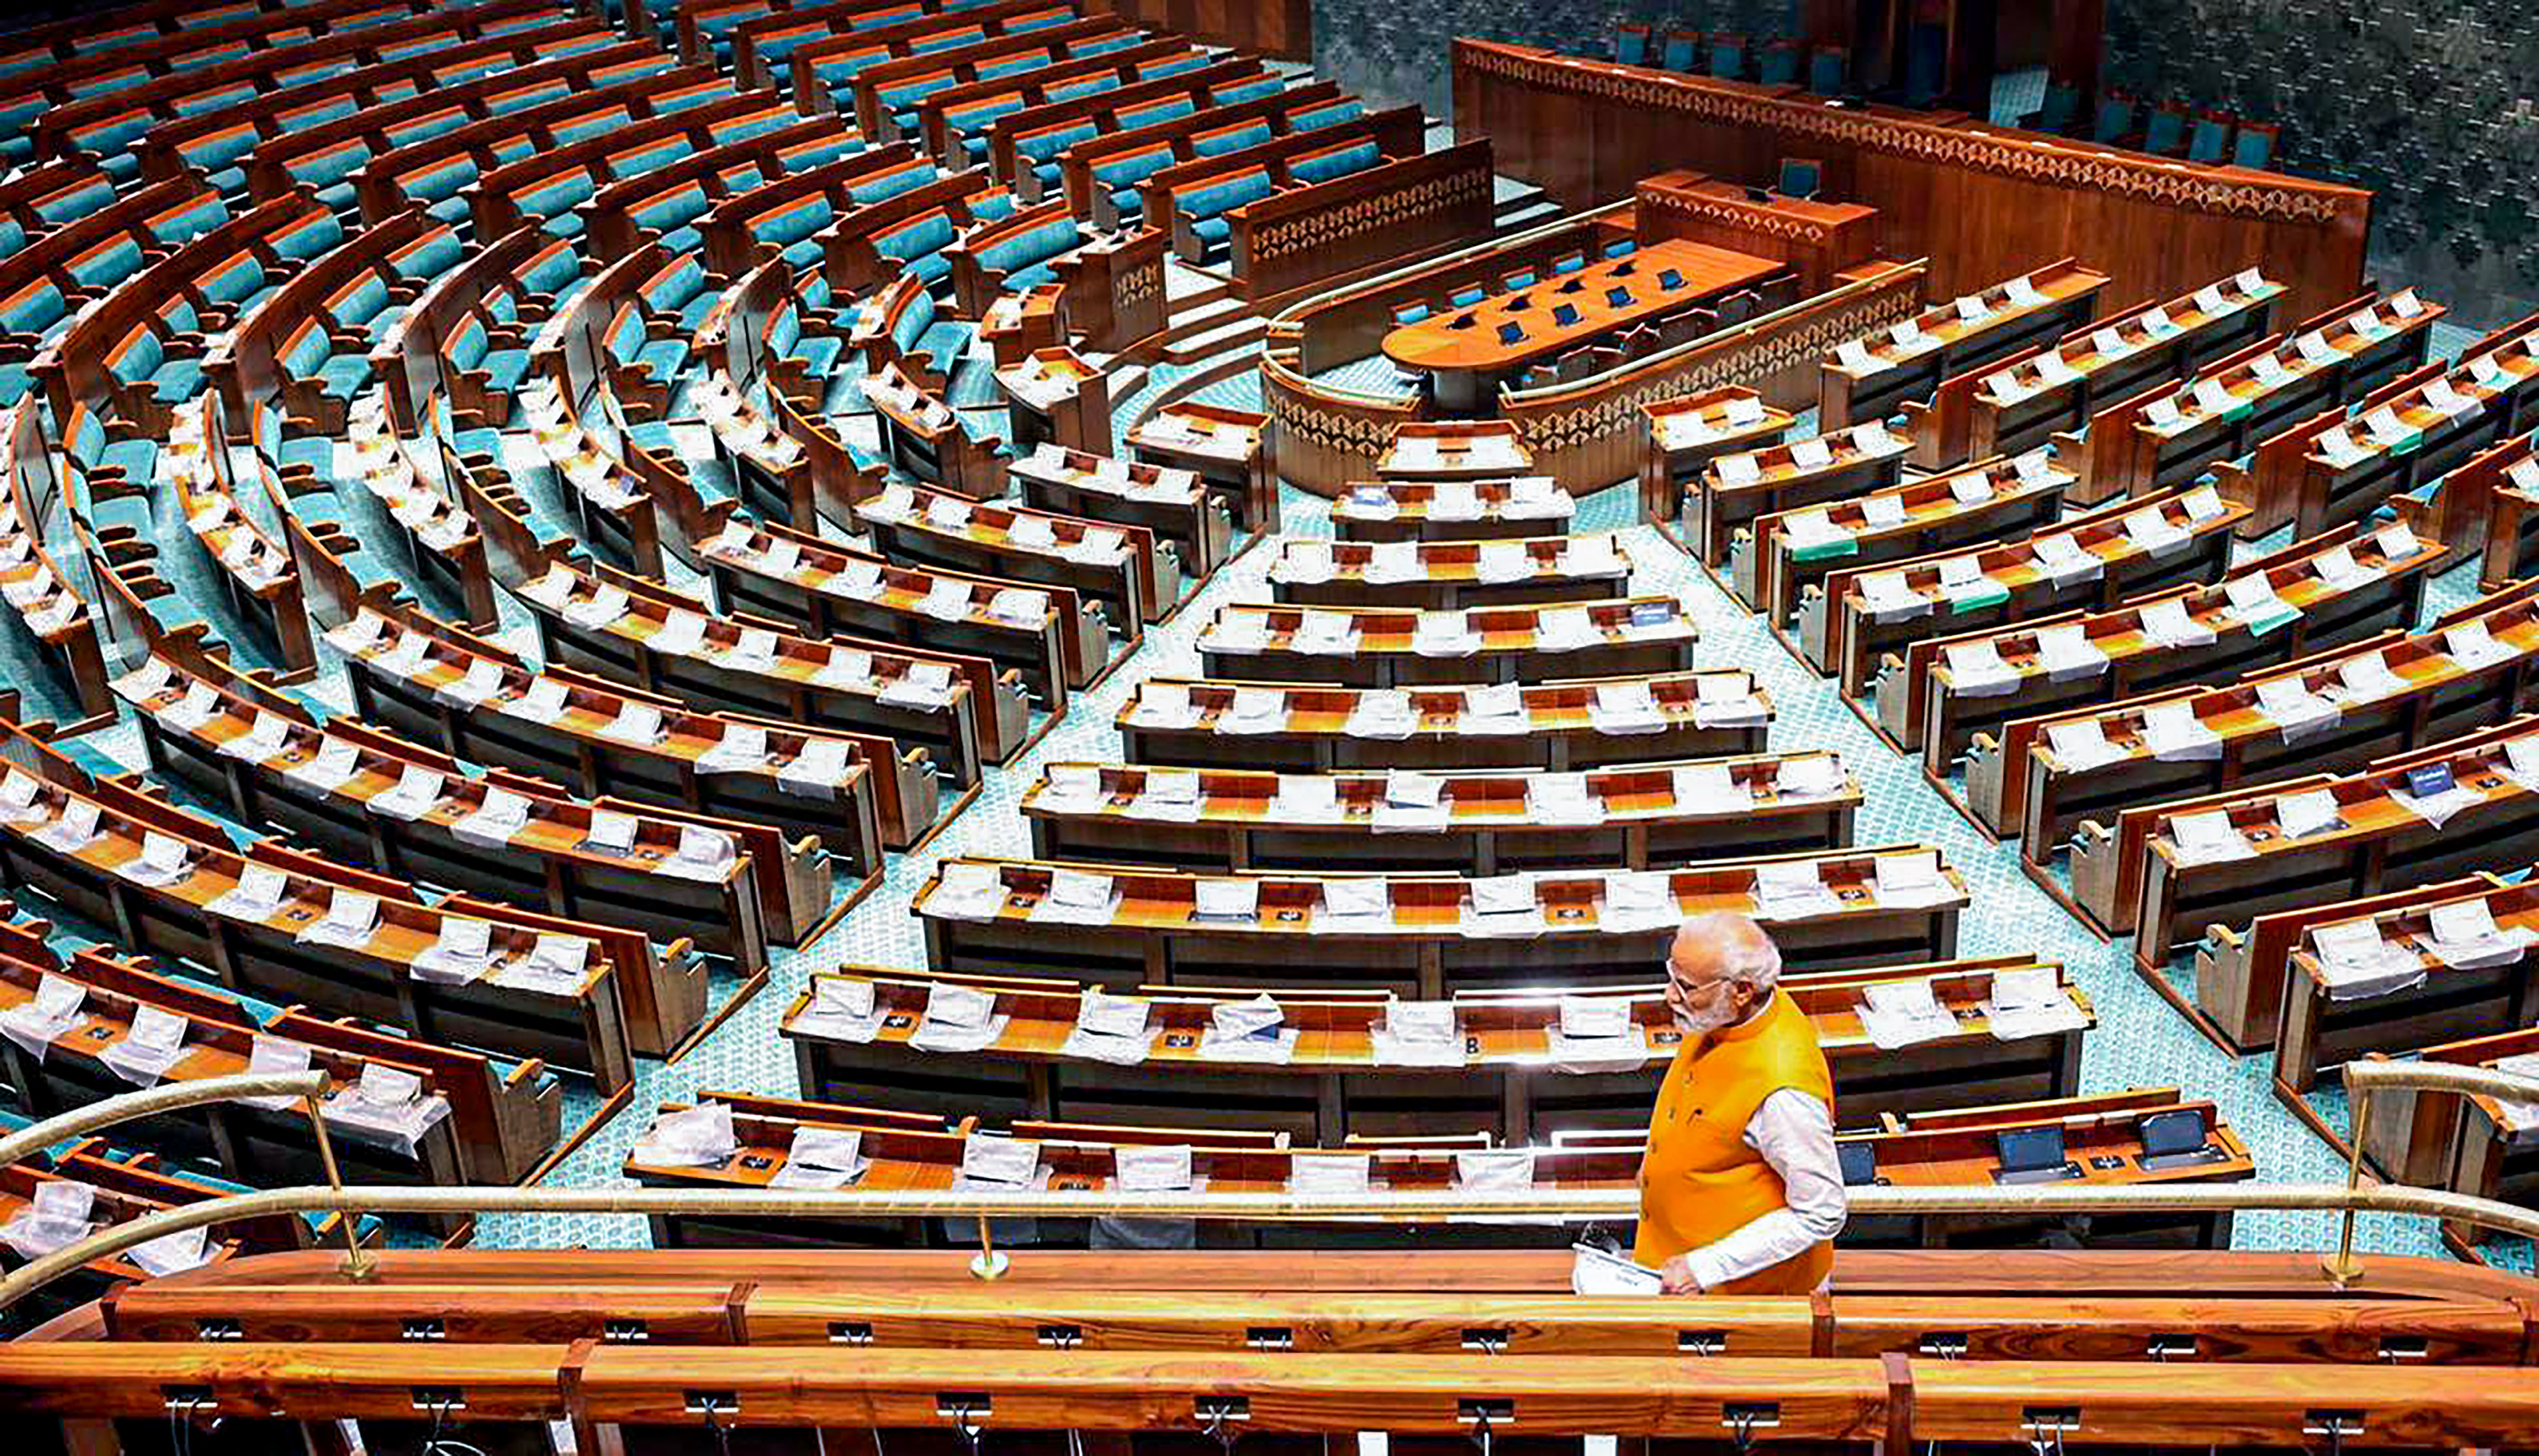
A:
1643	817
1905	363
1558	725
1455	450
1052	395
1464	348
1817	240
1417	940
1341	1084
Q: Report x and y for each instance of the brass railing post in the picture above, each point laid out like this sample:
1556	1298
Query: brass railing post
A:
359	1263
989	1263
2343	1268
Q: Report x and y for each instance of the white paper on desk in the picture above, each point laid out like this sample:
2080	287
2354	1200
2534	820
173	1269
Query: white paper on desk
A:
966	891
946	598
2358	964
1164	704
2064	560
741	748
2368	678
2252	599
1306	562
268	736
1563	799
610	832
1225	899
2472	646
2208	837
1246	1017
2049	1015
1792	891
1367	900
837	1154
1913	880
1626	708
1504	894
2081	744
75	829
1497	708
2313	812
695	1137
1444	634
2290	705
1274	1046
2337	567
1812	454
1382	712
635	723
2438	809
1454	500
54	1012
1157	1169
1310	799
1506	561
2167	623
2174	734
154	1043
1977	669
1853	355
1393	561
1903	1014
2269	369
164	859
1885	510
1236	630
1737	470
2066	652
1709	788
1077	897
702	853
1252	710
1562	628
1637	900
349	919
963	1007
2203	504
200	705
1888	598
1493	1169
2152	532
1327	1174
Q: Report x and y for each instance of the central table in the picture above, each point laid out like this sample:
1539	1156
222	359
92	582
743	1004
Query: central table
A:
1467	348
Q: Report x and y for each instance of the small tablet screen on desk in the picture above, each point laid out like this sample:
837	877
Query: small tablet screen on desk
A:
1620	297
1463	320
1625	269
2029	1149
1859	1162
1669	279
2166	1134
1511	333
1564	315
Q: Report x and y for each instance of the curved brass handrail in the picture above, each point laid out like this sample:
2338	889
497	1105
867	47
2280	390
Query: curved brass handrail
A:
151	1101
2351	1198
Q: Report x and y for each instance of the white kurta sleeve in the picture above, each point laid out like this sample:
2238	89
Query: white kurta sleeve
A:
1793	1131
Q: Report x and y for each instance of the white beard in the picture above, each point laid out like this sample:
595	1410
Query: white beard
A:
1694	1024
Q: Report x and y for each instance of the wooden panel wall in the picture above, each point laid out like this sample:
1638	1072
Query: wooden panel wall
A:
1982	203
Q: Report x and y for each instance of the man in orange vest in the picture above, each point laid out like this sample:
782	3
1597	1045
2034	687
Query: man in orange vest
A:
1740	1192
